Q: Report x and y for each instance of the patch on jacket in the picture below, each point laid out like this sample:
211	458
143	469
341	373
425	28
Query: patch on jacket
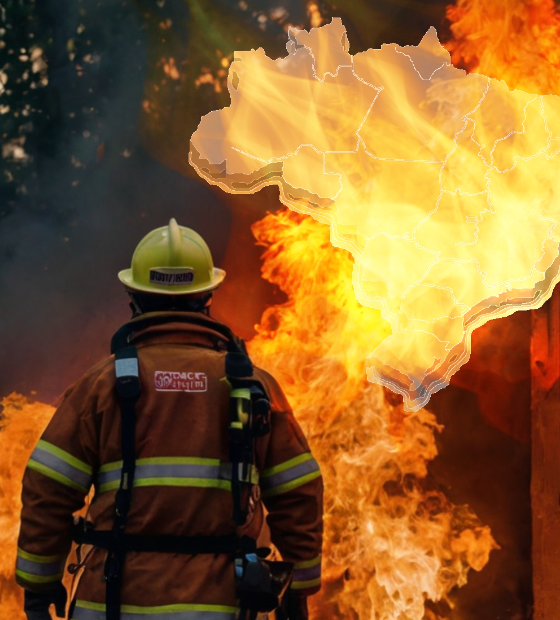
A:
168	381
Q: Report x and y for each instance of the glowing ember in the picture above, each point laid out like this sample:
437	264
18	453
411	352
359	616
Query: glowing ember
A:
171	70
390	542
442	185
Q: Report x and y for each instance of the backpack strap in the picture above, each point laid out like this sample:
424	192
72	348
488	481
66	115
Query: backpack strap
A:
249	403
128	392
249	418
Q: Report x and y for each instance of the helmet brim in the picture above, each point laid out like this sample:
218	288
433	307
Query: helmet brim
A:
125	276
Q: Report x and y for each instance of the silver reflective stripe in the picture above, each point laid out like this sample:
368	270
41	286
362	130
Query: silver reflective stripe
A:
38	568
59	469
172	471
127	367
291	477
92	611
307	574
169	471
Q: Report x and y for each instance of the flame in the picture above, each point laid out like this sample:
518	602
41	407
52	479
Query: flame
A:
431	178
512	41
22	422
391	542
331	328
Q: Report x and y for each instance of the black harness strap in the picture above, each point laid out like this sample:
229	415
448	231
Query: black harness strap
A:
249	418
240	442
243	429
165	543
238	368
128	392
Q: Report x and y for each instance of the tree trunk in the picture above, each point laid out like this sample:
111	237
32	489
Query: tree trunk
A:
545	481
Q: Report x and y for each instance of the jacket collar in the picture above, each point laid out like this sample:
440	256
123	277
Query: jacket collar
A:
177	327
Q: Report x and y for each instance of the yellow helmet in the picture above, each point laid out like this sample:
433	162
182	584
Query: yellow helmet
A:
172	260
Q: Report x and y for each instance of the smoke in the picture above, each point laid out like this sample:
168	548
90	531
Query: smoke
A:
86	190
87	197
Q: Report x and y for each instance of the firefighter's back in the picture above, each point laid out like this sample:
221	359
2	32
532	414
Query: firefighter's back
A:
182	478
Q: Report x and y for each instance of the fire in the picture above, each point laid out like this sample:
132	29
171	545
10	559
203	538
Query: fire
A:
433	179
331	328
22	423
512	41
391	542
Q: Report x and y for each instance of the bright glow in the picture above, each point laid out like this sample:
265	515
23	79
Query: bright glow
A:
390	540
442	185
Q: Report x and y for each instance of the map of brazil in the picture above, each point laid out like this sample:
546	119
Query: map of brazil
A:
444	186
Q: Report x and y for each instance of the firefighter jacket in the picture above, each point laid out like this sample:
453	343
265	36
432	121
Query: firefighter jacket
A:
181	485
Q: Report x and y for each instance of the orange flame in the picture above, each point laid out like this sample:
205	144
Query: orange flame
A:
390	542
433	179
512	41
22	424
331	328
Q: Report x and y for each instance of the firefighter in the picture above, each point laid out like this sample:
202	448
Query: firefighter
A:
183	442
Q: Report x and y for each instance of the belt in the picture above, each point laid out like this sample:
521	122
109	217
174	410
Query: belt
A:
84	534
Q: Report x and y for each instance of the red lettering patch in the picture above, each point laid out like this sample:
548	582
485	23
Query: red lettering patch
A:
168	381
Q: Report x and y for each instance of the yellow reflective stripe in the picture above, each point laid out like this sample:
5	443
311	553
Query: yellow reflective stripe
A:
286	465
171	482
65	456
184	482
110	466
38	578
300	585
163	460
227	382
307	574
135	609
241	393
308	563
293	484
40	559
51	473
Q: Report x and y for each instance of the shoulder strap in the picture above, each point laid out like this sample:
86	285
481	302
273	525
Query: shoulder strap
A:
249	418
128	392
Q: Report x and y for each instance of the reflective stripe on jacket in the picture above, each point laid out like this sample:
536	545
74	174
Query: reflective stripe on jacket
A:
85	610
181	484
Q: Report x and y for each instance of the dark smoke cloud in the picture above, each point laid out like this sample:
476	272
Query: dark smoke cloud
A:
92	194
